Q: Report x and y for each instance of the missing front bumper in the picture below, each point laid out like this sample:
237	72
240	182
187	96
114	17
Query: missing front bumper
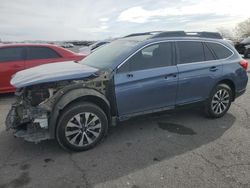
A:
29	124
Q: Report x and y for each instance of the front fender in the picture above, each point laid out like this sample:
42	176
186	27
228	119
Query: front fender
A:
67	98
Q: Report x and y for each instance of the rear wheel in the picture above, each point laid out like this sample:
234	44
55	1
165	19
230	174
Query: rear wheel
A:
81	126
219	101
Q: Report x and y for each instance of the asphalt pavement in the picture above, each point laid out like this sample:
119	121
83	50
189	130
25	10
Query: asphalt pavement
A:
172	149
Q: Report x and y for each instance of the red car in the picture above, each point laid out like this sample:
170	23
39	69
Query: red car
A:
16	57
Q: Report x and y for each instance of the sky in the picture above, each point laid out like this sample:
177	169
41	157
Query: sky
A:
101	19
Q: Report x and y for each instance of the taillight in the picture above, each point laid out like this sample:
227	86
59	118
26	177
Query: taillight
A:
244	64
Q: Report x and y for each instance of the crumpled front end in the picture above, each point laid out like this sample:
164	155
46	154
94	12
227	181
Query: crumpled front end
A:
26	118
29	115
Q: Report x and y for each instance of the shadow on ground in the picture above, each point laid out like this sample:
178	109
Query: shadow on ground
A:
129	147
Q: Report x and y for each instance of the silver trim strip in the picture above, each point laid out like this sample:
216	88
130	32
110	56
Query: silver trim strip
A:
157	42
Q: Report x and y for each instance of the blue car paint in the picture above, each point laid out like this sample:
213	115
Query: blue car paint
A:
196	80
234	72
146	90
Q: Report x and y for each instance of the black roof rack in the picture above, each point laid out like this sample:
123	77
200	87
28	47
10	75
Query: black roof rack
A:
203	34
140	34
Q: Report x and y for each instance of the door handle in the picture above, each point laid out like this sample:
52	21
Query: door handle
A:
213	68
130	75
170	75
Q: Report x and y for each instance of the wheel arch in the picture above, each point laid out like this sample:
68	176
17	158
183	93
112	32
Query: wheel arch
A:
229	83
74	96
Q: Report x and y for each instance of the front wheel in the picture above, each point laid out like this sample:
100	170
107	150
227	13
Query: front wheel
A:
81	126
219	101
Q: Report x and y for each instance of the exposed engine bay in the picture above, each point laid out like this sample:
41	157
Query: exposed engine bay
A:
29	115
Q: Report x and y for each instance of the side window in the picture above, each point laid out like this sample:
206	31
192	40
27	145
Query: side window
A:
35	52
190	51
11	54
220	51
153	56
208	53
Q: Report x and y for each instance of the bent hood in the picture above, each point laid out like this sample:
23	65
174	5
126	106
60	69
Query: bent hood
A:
50	73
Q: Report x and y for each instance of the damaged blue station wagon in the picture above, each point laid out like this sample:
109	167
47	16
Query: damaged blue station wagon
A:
75	103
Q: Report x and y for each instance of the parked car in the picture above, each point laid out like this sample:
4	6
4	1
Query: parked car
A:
243	47
247	51
16	57
229	41
67	45
89	49
76	103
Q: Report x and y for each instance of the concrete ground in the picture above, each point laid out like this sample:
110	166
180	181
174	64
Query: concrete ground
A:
174	149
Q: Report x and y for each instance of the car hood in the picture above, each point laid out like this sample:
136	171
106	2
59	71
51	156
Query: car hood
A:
51	72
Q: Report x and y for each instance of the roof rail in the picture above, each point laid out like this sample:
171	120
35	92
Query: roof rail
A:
140	34
203	34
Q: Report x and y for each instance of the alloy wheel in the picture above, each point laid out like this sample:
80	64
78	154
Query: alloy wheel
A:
220	101
83	129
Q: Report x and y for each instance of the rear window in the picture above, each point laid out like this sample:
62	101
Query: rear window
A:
35	52
220	51
11	54
190	51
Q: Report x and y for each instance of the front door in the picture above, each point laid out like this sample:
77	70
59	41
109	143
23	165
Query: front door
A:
147	81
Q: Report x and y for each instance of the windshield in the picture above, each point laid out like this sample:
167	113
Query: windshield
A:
246	40
109	54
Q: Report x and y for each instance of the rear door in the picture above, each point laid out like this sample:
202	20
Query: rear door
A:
198	71
38	55
147	81
11	61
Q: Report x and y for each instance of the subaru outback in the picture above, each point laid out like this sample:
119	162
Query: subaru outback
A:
75	103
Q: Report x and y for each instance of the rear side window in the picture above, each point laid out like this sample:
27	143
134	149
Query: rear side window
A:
208	54
220	51
11	54
41	53
190	51
153	56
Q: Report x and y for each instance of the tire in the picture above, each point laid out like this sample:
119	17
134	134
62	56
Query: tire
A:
219	101
81	126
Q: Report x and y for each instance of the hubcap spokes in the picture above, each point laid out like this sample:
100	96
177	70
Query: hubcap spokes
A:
83	129
220	101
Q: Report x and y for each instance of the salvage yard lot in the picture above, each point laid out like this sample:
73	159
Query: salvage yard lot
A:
174	149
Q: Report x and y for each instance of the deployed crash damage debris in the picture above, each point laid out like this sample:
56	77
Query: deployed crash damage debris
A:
29	115
30	123
98	82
